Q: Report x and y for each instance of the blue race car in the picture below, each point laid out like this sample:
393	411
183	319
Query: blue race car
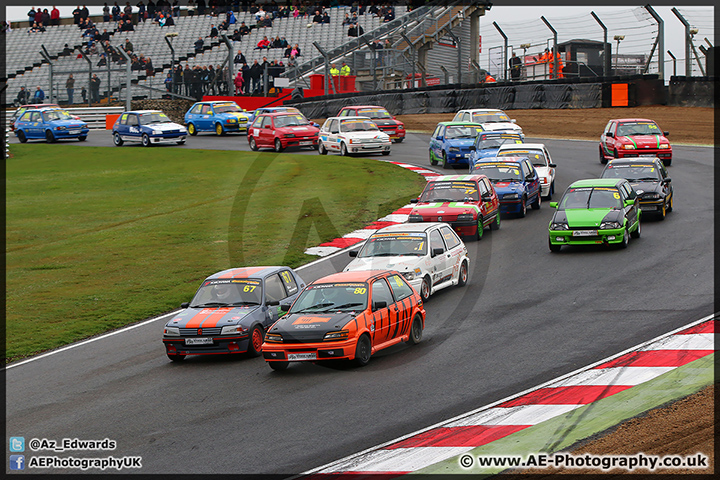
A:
451	141
49	123
149	127
217	116
262	110
487	144
515	180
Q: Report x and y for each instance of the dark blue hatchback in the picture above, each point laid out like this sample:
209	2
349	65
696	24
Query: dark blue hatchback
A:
515	180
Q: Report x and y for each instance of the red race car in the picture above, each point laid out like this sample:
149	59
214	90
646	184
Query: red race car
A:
467	202
281	130
382	118
634	137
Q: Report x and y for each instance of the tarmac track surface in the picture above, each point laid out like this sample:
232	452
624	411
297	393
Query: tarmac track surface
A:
525	317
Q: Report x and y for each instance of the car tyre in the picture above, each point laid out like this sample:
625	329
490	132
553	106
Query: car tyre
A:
463	274
636	233
176	358
386	153
219	129
615	154
279	366
670	204
253	145
523	207
21	136
321	149
445	163
495	225
146	140
181	142
425	289
416	331
191	129
667	162
538	201
625	239
663	212
399	140
603	160
363	351
49	137
82	138
278	145
480	229
255	342
433	160
343	150
553	248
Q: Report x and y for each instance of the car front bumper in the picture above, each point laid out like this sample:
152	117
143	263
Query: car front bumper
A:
284	352
220	345
458	158
662	154
368	147
172	138
566	237
511	206
299	141
62	134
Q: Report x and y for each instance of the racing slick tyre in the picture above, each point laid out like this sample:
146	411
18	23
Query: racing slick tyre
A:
523	207
256	341
279	365
321	149
219	129
480	229
278	145
385	153
49	137
117	140
445	163
425	289
191	129
253	145
615	154
667	161
176	358
636	233
180	142
416	331
146	140
553	248
399	140
463	274
495	225
536	204
363	351
603	160
343	150
625	239
82	138
670	204
21	136
433	161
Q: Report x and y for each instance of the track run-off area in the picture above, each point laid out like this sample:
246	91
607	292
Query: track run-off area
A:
526	317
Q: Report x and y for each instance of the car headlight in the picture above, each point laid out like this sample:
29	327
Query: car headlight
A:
511	196
289	135
273	338
465	217
242	119
339	335
454	149
172	331
415	218
233	330
651	196
157	132
409	276
664	145
544	180
629	147
60	128
610	226
559	226
401	127
231	120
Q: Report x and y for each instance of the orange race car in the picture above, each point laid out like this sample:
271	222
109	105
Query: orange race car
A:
348	315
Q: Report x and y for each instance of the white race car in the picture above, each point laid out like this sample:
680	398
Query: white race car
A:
491	119
541	160
349	135
429	255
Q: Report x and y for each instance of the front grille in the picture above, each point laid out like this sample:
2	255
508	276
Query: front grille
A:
192	332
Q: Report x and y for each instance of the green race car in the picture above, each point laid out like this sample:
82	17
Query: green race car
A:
595	211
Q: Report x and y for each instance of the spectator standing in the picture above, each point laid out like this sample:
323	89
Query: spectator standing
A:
84	12
345	70
76	15
168	82
176	8
255	74
116	12
187	80
44	17
70	88
151	9
238	83
39	95
95	88
31	16
83	93
142	11
55	16
106	13
246	78
191	8
201	7
128	10
515	67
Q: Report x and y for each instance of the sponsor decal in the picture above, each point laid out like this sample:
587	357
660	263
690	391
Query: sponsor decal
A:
309	320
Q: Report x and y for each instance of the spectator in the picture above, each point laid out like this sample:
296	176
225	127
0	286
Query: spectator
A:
55	16
103	61
288	52
515	67
230	18
22	97
70	88
39	95
345	69
66	50
176	8
246	78
199	44
276	43
201	7
76	15
213	31
83	93
151	9
149	69
334	71
355	31
317	18
84	12
238	83
389	15
44	17
326	17
116	12
236	37
142	11
239	58
255	74
283	43
105	36
169	82
128	45
106	13
264	43
347	20
169	22
295	52
161	20
191	8
31	16
128	10
244	30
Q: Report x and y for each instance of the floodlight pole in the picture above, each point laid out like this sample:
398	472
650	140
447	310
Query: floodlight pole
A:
555	52
504	56
46	56
607	52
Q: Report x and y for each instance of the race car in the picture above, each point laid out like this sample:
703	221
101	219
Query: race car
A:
633	137
451	141
540	158
515	180
487	144
18	113
382	118
231	311
282	130
217	116
595	211
350	135
260	111
429	255
149	127
468	203
50	124
346	316
649	178
490	118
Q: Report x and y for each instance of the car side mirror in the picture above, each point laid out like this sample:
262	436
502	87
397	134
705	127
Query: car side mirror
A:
353	253
437	251
552	165
184	305
378	305
553	204
272	303
666	133
609	134
487	197
512	120
530	177
629	203
668	180
285	307
472	148
414	200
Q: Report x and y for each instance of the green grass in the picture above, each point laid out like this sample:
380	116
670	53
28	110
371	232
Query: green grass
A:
98	238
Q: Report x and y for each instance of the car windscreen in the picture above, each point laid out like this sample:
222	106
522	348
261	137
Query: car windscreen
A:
633	173
487	140
462	131
290	121
450	191
228	292
227	109
53	115
537	156
628	129
499	172
327	297
591	197
490	117
358	126
395	245
374	113
150	118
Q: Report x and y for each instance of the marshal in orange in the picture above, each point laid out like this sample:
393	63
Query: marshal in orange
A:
348	315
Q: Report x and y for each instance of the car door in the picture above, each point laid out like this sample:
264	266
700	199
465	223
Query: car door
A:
550	163
25	124
204	122
633	211
532	186
333	142
403	293
274	293
193	114
608	141
440	261
266	132
435	142
492	204
133	132
454	247
666	186
385	318
293	285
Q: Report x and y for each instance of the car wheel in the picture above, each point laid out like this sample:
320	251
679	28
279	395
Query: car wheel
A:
463	274
667	161
625	239
82	138
523	207
256	341
21	136
433	160
253	145
480	229
386	153
279	366
191	129
636	233
538	201
603	160
180	142
363	351
117	140
49	137
445	163
425	289
615	154
146	140
553	248
321	149
219	129
399	140
670	204
495	225
278	145
343	149
176	358
663	212
416	331
552	189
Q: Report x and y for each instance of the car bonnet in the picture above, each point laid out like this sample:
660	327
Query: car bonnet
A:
209	317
